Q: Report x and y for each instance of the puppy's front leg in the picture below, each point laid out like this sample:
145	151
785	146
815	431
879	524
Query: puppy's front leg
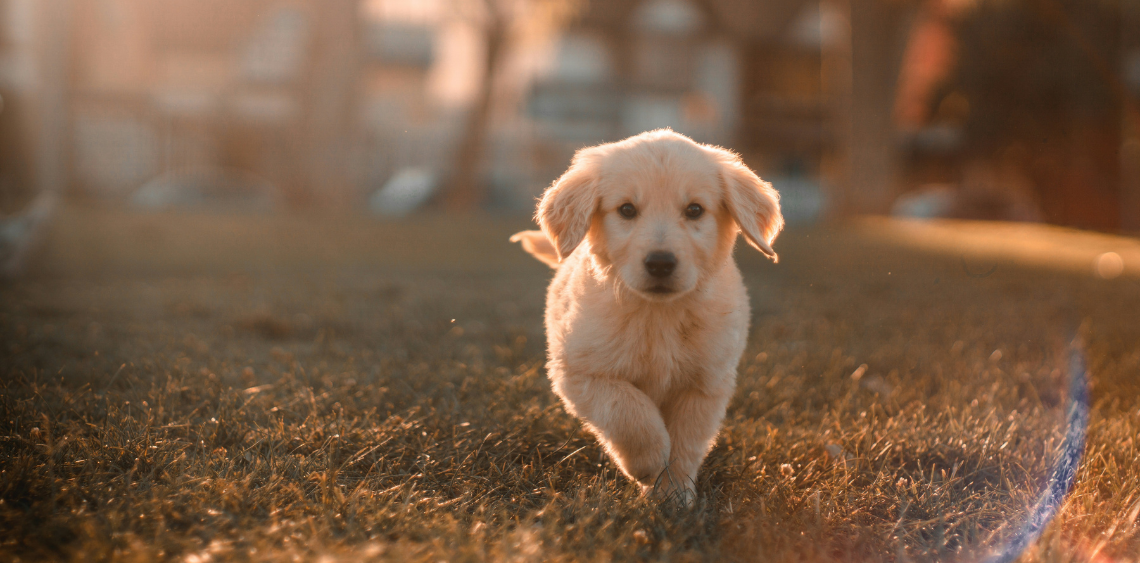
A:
693	418
624	419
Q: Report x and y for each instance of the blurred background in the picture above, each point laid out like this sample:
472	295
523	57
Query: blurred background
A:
995	109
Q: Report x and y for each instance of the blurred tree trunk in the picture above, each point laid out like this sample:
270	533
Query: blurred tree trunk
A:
864	76
467	190
328	131
1130	134
52	109
48	124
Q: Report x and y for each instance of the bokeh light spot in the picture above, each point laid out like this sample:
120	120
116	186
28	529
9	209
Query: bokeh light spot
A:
1109	265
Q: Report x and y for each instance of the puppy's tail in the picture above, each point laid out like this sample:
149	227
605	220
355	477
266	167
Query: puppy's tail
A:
536	243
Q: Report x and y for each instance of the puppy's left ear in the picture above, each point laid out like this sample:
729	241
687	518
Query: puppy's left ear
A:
537	245
754	205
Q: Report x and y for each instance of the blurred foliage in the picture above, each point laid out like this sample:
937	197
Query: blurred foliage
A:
1037	71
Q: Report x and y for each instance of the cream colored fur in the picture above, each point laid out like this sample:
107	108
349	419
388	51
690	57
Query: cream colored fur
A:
650	365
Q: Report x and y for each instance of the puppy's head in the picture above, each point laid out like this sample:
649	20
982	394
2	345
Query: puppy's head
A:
659	211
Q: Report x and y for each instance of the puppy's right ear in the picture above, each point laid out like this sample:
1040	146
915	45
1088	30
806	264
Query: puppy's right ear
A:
568	206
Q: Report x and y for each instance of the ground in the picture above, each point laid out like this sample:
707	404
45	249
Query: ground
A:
227	387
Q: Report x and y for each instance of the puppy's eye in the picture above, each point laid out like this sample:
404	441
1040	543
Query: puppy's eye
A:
627	210
694	210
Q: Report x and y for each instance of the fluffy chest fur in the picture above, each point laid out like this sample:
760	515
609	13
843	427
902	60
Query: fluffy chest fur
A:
692	342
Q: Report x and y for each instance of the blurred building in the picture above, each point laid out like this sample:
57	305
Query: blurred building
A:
311	96
209	84
320	102
326	103
326	100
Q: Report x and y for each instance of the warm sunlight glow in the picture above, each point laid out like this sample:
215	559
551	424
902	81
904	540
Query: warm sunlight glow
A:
405	11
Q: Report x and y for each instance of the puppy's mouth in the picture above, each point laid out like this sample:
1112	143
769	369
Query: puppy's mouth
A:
660	291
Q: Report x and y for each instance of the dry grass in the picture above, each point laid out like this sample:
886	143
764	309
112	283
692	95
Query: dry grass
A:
220	388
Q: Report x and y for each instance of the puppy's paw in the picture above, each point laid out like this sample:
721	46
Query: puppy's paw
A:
645	470
672	486
643	460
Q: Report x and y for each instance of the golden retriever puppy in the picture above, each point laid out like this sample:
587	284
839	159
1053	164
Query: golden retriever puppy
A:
647	315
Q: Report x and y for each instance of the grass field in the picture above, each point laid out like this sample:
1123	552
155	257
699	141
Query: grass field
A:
209	388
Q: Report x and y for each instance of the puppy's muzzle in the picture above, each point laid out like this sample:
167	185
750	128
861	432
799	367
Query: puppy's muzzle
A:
660	264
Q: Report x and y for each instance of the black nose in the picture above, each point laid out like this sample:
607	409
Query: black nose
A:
660	264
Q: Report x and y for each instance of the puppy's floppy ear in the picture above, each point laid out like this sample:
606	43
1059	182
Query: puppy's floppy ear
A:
568	206
537	245
754	205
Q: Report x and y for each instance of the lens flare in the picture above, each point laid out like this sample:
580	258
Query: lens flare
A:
1064	473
